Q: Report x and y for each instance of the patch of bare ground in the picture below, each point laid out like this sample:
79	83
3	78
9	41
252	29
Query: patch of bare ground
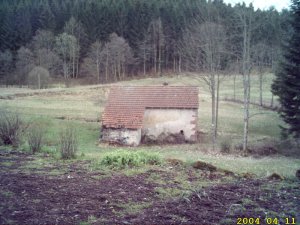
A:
81	196
225	203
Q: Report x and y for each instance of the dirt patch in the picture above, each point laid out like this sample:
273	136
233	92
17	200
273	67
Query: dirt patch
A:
164	138
224	204
175	162
298	174
204	166
81	195
275	176
68	198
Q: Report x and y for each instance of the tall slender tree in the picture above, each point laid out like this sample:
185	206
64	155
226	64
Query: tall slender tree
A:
287	83
66	46
245	16
6	63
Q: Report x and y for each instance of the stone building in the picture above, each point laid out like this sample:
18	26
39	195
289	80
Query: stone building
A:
150	114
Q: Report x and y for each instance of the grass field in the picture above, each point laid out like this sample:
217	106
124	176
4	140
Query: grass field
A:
82	107
157	184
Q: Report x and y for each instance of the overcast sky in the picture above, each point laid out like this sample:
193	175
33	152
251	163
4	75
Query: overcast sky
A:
264	4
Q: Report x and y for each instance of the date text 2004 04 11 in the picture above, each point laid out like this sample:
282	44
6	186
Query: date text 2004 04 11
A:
273	221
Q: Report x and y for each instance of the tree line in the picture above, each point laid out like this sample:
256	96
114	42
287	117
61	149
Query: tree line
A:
109	40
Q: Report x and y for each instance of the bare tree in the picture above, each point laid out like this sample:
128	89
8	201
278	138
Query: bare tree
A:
204	47
49	60
114	57
75	28
144	53
156	38
24	64
94	61
234	69
118	55
66	47
245	16
261	58
39	77
43	39
43	44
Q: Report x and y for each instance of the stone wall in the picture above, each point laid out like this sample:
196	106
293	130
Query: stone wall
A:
174	123
121	136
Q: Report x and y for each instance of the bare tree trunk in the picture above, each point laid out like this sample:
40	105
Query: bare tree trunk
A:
179	64
234	92
260	87
119	70
144	61
77	67
123	68
98	71
213	110
155	59
39	81
73	62
217	106
246	77
106	67
159	59
174	65
115	72
77	59
272	100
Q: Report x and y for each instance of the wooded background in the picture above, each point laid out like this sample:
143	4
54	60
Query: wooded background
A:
108	40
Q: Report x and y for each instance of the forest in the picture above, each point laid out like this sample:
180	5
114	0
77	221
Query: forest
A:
59	61
102	41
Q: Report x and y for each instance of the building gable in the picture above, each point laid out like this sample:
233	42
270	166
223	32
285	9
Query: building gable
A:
125	106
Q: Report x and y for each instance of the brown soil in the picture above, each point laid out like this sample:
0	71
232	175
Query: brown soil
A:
32	197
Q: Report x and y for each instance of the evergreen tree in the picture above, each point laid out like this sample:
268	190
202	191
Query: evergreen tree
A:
6	62
287	83
24	64
45	17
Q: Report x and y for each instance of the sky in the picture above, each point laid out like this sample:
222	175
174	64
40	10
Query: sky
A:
264	4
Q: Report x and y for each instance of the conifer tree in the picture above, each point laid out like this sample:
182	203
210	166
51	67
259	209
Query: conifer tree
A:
287	83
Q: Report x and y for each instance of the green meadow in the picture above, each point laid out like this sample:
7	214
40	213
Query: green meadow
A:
81	108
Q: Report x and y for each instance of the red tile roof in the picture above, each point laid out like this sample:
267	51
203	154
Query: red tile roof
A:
126	105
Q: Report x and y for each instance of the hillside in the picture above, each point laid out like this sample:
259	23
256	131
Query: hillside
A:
99	187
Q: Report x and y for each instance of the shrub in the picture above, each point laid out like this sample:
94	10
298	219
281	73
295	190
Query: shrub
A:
68	143
288	147
225	145
264	148
204	166
125	158
239	147
35	136
39	77
10	128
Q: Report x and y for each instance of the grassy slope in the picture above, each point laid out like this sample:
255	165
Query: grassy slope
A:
81	104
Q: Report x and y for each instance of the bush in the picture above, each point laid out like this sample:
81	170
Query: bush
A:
239	147
10	128
35	137
68	143
124	158
225	145
39	77
289	147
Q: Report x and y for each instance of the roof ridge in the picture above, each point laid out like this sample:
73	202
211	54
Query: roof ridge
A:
126	104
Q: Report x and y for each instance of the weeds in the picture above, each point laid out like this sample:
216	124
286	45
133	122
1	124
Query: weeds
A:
10	128
124	158
68	143
35	137
225	145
